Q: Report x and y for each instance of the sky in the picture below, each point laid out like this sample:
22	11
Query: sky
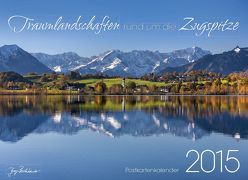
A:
125	12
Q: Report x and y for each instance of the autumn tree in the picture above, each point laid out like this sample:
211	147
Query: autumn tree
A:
116	89
100	87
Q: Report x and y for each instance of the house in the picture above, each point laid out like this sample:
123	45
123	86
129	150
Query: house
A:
163	89
74	86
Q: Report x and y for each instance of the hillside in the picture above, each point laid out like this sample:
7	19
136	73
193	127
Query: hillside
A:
12	77
13	58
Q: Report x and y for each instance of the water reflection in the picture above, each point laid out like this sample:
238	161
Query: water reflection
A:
192	117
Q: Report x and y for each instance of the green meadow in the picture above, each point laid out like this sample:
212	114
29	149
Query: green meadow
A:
111	81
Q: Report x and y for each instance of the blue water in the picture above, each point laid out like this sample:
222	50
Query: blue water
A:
80	138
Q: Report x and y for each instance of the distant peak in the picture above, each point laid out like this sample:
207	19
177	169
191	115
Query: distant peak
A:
70	53
196	48
114	51
7	50
237	49
12	46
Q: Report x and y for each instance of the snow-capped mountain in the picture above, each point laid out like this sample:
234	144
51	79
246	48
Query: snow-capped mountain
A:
115	62
61	62
137	63
13	58
225	63
190	54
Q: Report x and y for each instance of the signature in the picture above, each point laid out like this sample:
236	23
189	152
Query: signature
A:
13	171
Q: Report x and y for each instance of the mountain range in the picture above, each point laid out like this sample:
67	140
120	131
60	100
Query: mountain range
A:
61	62
117	63
135	63
225	63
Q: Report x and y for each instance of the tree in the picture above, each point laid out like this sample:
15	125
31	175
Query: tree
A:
64	78
10	84
192	86
154	88
53	76
183	90
216	86
116	89
21	85
74	75
1	85
131	85
100	87
176	88
61	85
44	78
143	89
207	87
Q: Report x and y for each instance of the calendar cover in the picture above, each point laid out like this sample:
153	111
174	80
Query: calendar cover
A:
127	90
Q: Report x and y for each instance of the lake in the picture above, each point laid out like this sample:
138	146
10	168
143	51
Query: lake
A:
124	137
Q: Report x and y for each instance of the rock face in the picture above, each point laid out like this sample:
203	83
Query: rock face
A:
115	62
13	58
225	63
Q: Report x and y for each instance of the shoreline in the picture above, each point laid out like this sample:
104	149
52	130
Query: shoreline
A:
16	93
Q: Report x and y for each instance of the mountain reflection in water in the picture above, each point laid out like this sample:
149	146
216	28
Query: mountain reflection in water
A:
192	117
